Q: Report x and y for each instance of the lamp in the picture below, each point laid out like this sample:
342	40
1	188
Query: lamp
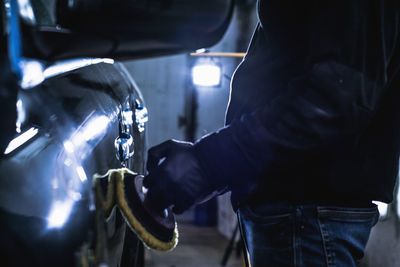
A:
206	73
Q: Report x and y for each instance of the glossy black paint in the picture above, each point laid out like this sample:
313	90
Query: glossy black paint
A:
123	29
77	117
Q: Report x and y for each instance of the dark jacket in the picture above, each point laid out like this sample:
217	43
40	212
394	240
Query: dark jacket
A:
314	114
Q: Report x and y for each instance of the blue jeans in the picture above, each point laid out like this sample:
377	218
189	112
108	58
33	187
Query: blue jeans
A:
280	235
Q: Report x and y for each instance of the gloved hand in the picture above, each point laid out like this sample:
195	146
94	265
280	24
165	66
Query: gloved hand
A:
176	177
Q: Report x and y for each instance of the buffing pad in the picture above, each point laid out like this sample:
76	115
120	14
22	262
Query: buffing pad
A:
104	188
158	230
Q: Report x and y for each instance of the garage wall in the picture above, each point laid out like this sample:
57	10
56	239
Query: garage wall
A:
163	82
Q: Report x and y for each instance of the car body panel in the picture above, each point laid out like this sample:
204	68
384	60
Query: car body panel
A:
77	117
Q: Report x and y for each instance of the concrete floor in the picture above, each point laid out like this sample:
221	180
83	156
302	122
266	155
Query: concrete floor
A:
198	246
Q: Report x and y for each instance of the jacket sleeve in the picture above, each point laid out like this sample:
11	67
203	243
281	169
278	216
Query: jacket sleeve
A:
330	103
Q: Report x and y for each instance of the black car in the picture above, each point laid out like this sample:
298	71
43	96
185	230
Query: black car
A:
69	111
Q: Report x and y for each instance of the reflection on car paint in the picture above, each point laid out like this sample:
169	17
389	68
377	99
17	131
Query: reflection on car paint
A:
76	149
21	139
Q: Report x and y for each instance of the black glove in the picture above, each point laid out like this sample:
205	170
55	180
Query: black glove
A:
176	177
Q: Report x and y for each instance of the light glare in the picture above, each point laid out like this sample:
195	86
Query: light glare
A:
398	202
59	213
72	64
94	128
21	115
206	74
81	174
382	207
32	73
69	146
20	140
201	50
26	11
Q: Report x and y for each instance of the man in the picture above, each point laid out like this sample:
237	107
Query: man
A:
312	134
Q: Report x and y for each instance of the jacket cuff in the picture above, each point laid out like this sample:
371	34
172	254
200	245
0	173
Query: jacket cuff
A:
223	162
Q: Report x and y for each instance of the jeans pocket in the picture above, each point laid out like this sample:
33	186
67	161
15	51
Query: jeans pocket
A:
266	214
346	214
268	237
345	232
